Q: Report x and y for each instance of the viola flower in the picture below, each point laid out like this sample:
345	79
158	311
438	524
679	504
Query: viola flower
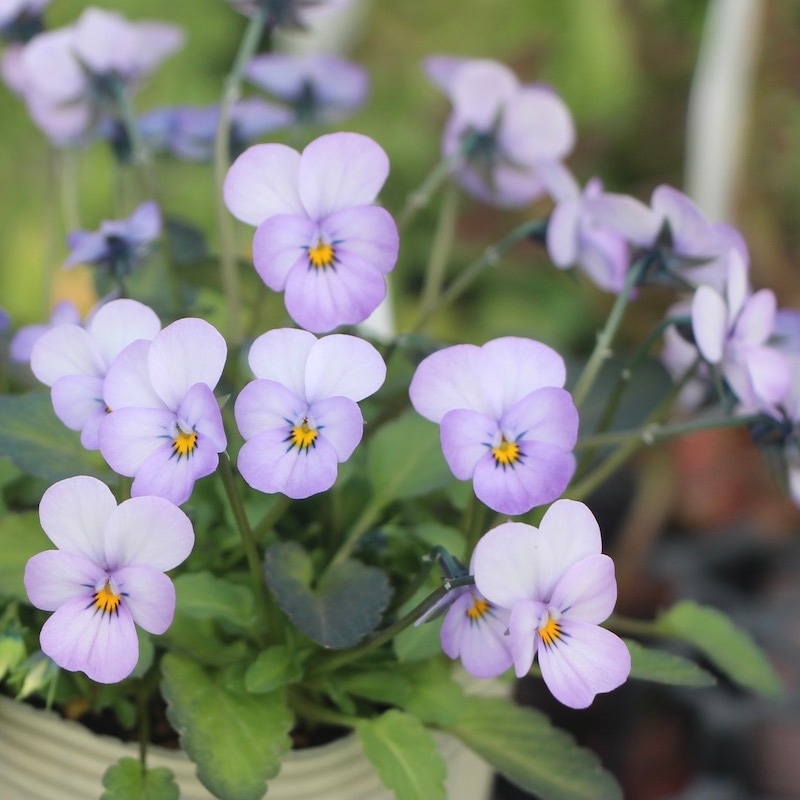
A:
25	338
504	130
73	361
318	87
20	21
319	237
732	334
107	575
300	418
558	588
118	246
506	422
165	428
289	13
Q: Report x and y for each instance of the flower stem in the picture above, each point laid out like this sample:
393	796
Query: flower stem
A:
227	234
419	198
309	710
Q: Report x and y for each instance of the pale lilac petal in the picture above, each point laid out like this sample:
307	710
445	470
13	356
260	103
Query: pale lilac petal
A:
480	90
627	216
50	68
526	616
587	591
21	345
562	233
55	576
265	405
85	247
104	41
558	181
127	383
280	355
466	438
343	366
77	398
186	352
262	182
66	350
90	433
129	436
253	118
148	531
794	483
78	637
758	376
155	41
539	477
64	125
267	465
339	422
545	415
366	233
320	300
340	170
536	126
709	323
280	243
74	514
338	85
587	660
756	321
441	70
200	411
144	225
604	258
149	596
689	227
508	186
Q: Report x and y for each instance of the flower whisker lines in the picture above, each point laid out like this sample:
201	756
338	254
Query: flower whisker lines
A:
507	453
106	600
184	444
551	633
322	256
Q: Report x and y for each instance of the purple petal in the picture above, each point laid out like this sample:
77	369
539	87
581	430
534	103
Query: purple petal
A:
709	323
77	398
536	126
21	345
85	247
66	350
506	186
127	383
253	118
562	233
759	376
262	182
144	225
340	170
366	233
441	70
50	68
267	465
79	637
340	423
587	591
466	437
74	514
148	531
280	243
627	216
756	321
545	415
149	596
129	436
480	90
587	660
604	259
526	616
154	42
280	355
200	411
186	352
54	576
90	433
103	40
343	366
265	405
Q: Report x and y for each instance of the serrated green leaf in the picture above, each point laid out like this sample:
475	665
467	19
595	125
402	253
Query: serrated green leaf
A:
728	646
201	595
522	745
377	685
235	738
272	669
656	665
39	443
404	459
126	780
201	640
405	755
346	605
21	536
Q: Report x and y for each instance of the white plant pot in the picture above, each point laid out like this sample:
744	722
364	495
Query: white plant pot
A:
45	757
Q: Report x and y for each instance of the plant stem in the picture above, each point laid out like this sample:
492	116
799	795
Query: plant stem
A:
420	197
276	511
315	712
227	234
637	627
368	515
143	698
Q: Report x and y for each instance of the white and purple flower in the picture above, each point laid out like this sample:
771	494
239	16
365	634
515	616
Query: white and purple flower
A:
558	588
74	360
22	342
319	237
506	422
289	13
107	575
300	418
165	428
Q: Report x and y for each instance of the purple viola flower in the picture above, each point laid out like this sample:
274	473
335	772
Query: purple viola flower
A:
20	21
118	245
107	575
289	13
73	74
558	588
731	334
505	131
300	418
319	87
506	422
165	428
319	237
73	361
21	346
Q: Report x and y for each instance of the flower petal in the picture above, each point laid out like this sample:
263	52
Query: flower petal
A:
127	384
525	618
55	576
343	366
339	421
200	411
480	90
709	323
587	591
466	437
76	398
545	415
562	233
756	321
129	436
280	355
266	405
365	233
536	126
118	323
280	242
441	70
66	350
149	596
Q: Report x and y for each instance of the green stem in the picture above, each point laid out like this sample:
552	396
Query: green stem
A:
420	197
276	511
368	515
227	233
636	627
140	155
143	703
314	712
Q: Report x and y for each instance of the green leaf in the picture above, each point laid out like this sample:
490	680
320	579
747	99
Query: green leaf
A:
272	669
347	604
404	459
201	640
435	696
729	647
656	665
21	536
201	595
405	755
235	738
38	443
126	780
522	745
378	685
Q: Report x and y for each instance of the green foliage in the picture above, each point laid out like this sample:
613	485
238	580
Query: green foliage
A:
347	603
522	745
202	641
273	668
661	667
727	646
38	443
405	755
235	738
201	595
126	780
21	537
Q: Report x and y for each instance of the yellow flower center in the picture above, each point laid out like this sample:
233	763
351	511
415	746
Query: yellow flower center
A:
506	454
303	435
321	255
478	609
106	601
184	443
550	632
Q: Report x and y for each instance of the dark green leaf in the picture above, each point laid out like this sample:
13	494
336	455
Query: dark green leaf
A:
405	755
21	536
522	745
235	738
661	667
126	780
202	595
272	669
346	605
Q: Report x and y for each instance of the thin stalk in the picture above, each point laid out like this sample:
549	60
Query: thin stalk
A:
227	233
368	515
314	712
143	700
267	523
420	197
140	153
